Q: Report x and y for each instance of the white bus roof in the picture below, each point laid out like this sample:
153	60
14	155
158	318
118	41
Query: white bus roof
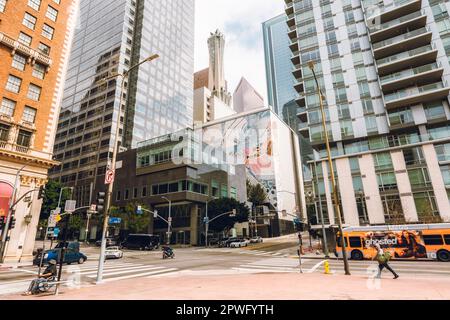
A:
399	227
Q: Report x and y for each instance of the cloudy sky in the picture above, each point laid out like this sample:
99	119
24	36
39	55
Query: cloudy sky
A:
240	21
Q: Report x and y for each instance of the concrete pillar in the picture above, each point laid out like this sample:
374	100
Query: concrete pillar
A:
375	209
327	185
404	187
194	225
437	181
347	192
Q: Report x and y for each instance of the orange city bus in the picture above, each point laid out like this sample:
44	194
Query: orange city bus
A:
421	241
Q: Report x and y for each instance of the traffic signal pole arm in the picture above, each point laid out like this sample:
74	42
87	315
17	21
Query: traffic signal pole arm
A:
155	214
223	214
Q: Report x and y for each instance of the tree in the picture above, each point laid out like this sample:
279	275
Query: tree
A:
426	214
220	206
50	201
135	223
256	194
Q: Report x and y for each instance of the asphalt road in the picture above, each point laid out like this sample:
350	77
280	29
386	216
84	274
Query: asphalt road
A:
272	257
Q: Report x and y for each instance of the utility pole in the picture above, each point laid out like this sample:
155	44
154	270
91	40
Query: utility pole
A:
123	77
330	163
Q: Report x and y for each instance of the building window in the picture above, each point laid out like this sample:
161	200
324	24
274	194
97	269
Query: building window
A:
443	152
419	178
57	1
34	92
19	62
7	107
135	193
25	39
35	4
383	161
48	31
425	204
13	84
414	156
4	132
144	192
393	210
29	115
45	49
2	5
118	196
24	138
52	13
39	71
387	181
224	191
127	194
233	193
29	21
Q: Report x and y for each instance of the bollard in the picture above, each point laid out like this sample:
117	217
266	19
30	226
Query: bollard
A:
327	267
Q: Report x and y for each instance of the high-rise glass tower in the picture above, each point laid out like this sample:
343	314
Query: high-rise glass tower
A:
384	69
112	36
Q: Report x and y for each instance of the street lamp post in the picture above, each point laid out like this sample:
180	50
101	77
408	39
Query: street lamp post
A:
207	221
123	77
169	225
330	162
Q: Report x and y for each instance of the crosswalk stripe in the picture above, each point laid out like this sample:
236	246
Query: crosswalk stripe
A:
109	267
264	270
120	271
268	267
139	275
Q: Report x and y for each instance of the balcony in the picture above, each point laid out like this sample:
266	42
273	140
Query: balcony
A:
299	86
292	33
14	147
295	58
289	8
422	75
25	50
392	28
416	95
405	42
291	20
294	45
412	58
301	101
394	11
297	71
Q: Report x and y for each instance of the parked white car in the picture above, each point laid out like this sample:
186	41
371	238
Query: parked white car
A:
256	240
239	243
113	253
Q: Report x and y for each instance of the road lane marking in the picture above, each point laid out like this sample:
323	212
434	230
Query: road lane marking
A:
120	271
140	275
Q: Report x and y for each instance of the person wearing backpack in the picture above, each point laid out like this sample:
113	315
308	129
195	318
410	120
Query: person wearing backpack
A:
383	259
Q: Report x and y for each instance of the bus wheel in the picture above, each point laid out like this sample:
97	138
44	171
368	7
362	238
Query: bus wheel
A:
443	256
357	255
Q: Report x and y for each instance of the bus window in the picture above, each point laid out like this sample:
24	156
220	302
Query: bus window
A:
433	240
447	239
355	242
338	242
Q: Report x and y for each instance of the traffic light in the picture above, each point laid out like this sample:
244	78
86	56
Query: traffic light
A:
2	222
41	193
299	225
12	223
101	201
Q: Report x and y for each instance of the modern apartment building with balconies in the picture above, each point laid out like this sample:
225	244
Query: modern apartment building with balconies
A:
35	39
384	69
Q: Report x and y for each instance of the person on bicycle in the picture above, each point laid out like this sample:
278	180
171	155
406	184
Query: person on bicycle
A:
49	272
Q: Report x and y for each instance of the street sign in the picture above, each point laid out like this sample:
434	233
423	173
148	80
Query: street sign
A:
70	206
155	214
139	210
93	207
115	220
170	219
206	220
109	177
284	213
53	219
56	232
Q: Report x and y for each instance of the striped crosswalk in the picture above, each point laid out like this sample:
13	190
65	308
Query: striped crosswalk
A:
81	275
247	252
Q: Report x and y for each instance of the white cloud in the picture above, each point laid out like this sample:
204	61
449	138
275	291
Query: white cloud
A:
241	22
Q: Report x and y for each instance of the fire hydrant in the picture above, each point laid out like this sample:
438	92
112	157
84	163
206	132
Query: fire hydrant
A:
327	267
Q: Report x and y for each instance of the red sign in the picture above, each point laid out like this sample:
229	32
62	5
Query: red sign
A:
109	177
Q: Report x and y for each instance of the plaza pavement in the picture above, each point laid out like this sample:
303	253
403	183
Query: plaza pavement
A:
259	287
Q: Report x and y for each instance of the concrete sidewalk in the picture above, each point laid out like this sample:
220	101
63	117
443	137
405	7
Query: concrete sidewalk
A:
259	287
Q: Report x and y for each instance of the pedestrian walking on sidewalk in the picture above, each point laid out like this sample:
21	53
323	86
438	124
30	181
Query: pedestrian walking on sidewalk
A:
383	261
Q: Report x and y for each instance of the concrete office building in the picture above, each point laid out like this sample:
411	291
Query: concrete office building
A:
193	166
35	39
113	36
384	68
